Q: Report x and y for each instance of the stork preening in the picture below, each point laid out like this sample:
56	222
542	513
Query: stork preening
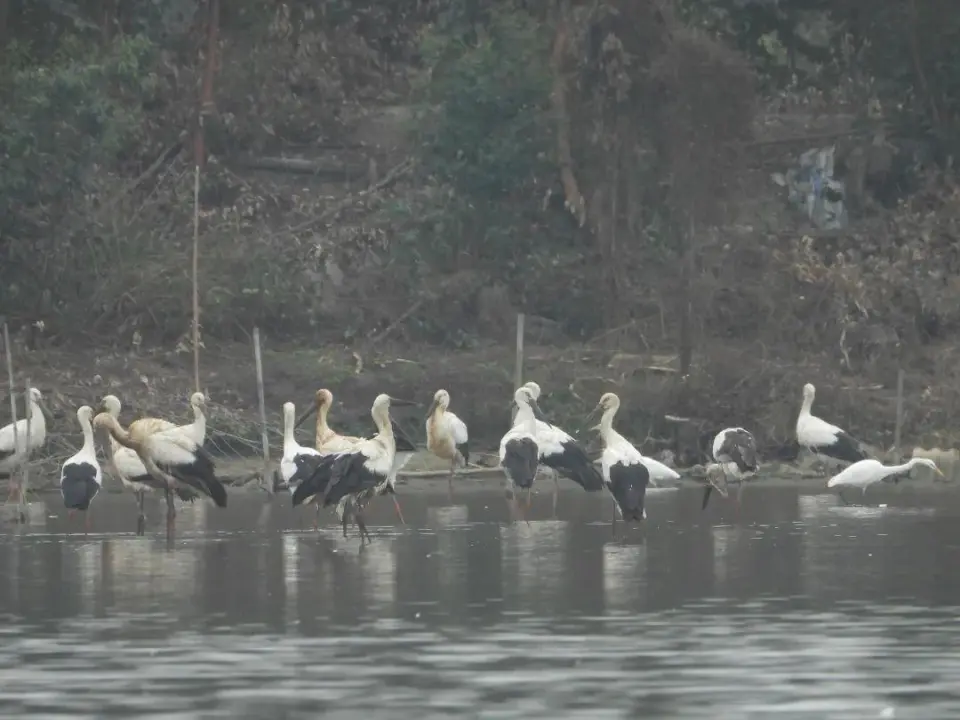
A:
447	436
171	457
127	466
560	453
822	438
15	444
519	449
625	473
80	475
197	430
362	472
865	473
327	440
735	457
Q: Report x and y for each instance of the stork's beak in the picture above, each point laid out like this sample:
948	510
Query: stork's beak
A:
537	412
307	414
399	402
433	406
940	473
593	413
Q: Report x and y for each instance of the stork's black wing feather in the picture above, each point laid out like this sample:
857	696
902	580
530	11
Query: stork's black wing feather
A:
349	477
316	483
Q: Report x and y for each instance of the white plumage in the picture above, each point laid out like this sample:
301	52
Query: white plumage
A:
80	475
624	471
15	446
561	453
822	438
298	462
865	473
197	430
519	449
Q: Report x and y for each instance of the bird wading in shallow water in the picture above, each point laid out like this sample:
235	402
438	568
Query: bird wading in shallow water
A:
822	438
519	450
447	436
624	472
735	457
865	473
80	475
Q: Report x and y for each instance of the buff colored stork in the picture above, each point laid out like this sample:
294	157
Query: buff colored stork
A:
327	440
447	436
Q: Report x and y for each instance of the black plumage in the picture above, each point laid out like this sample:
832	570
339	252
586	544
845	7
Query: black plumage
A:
79	485
305	464
738	447
200	475
520	460
349	475
628	485
845	448
573	463
316	483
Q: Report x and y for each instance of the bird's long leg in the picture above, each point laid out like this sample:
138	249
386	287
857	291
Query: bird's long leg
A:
141	517
344	519
556	490
840	495
316	518
362	525
613	517
529	492
453	466
171	510
396	504
86	522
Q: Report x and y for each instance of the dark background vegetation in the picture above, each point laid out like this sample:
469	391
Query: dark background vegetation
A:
397	180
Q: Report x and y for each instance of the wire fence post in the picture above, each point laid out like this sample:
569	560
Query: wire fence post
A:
899	426
264	439
8	353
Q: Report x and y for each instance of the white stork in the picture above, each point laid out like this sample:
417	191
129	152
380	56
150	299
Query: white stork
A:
624	471
447	436
172	458
362	472
561	453
865	473
519	449
735	457
197	430
298	461
80	475
15	446
821	437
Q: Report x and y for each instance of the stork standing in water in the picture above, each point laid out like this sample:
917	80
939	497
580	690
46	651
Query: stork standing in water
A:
822	438
519	449
362	472
865	473
171	457
15	446
298	462
561	453
327	440
127	466
80	475
447	436
735	456
624	471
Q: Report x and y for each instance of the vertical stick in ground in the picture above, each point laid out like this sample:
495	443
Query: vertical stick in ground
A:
898	428
264	440
25	464
196	266
8	353
518	366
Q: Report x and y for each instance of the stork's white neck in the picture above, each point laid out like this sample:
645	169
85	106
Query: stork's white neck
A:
606	423
895	469
381	418
526	417
87	429
288	420
806	405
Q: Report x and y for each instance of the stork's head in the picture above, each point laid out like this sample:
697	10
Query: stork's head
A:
441	399
534	390
809	392
198	400
85	414
324	398
111	404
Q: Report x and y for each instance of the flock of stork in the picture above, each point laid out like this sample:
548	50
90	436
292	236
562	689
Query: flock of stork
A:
347	472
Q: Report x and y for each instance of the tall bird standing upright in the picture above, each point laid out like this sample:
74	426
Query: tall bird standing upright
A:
735	456
561	453
447	436
197	430
365	470
519	450
80	475
298	462
624	472
15	446
327	440
822	438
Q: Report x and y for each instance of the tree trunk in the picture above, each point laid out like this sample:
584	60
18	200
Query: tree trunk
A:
207	106
572	196
4	20
108	20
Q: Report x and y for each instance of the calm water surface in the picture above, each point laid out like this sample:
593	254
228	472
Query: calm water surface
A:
793	605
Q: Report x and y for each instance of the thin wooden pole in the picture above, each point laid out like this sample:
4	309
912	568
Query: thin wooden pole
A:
899	426
25	481
8	353
264	440
196	265
518	368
